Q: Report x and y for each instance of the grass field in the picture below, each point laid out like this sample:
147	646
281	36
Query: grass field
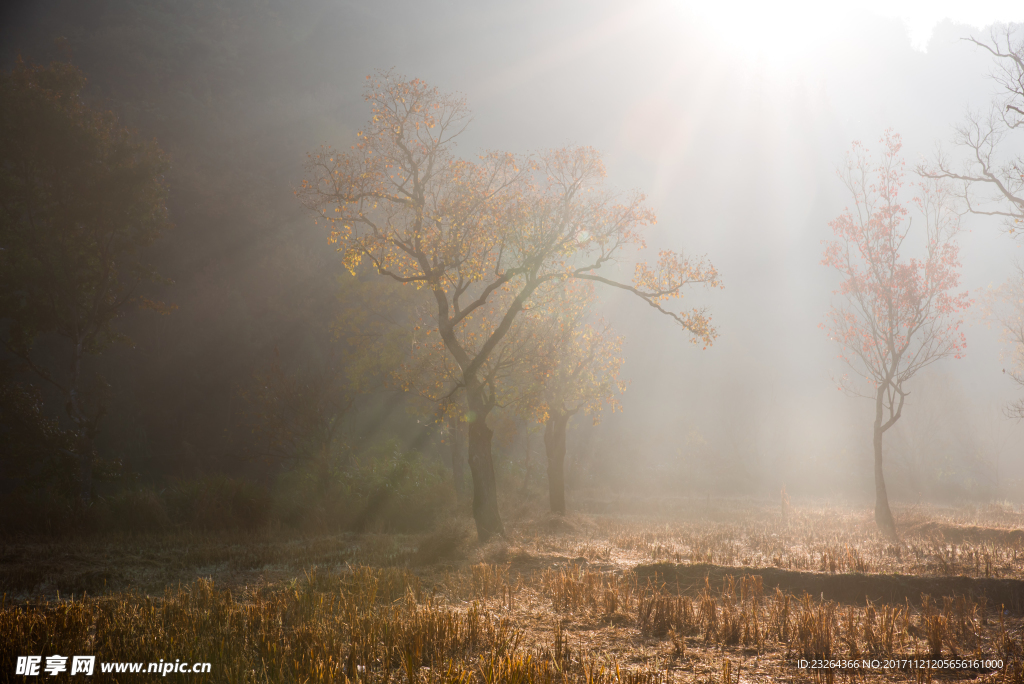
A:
683	590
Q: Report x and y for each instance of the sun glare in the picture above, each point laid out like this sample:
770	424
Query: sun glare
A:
790	30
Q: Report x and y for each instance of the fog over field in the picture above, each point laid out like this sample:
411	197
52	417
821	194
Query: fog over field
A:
662	342
732	122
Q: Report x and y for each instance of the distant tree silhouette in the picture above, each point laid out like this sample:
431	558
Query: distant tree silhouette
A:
80	200
1006	305
579	367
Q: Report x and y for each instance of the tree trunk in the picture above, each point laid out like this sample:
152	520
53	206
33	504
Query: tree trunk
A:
554	446
481	466
527	461
323	465
883	516
85	468
456	430
85	428
582	453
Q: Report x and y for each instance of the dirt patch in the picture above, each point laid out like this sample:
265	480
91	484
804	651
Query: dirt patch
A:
850	588
960	534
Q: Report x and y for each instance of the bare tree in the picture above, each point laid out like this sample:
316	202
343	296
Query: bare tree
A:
1006	306
991	177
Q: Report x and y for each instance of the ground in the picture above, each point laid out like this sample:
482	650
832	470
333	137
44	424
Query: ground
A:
670	590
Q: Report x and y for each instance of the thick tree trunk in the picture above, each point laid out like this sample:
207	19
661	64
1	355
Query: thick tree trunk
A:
883	516
554	446
481	466
581	455
456	429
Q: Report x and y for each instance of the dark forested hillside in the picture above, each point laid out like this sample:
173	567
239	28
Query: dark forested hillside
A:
229	91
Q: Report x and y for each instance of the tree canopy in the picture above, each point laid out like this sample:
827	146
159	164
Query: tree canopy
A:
991	174
467	230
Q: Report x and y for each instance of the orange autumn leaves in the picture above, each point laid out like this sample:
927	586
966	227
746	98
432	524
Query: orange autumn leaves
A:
490	240
579	365
666	281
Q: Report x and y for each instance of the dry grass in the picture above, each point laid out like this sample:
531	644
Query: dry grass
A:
548	604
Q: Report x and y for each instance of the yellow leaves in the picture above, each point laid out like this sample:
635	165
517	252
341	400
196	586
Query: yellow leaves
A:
484	223
160	307
351	260
672	273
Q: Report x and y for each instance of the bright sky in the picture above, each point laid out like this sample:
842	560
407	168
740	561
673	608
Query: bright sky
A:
753	25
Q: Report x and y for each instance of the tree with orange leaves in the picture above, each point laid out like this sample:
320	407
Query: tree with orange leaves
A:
511	375
467	231
576	371
897	314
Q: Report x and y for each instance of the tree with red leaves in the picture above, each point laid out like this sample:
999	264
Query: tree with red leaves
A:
897	314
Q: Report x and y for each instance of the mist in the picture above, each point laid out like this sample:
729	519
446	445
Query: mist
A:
734	138
587	342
